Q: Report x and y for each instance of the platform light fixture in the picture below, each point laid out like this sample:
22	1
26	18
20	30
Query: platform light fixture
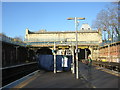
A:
76	26
78	18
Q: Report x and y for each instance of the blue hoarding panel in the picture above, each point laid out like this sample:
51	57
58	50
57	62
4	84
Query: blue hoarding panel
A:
47	62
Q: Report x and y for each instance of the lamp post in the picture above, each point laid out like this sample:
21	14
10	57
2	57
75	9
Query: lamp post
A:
54	57
86	54
76	25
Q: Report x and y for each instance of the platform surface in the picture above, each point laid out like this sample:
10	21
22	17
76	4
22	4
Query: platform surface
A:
88	78
100	77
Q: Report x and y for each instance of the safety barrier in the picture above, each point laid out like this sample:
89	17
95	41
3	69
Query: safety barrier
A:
11	40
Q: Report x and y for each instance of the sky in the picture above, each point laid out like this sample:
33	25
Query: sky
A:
52	16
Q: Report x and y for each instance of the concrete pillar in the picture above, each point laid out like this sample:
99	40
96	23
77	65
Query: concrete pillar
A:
85	54
108	53
91	49
73	61
97	53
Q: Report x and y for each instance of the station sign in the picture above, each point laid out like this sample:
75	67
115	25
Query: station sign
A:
63	47
82	47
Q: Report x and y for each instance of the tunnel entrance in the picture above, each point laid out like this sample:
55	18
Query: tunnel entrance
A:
81	54
44	51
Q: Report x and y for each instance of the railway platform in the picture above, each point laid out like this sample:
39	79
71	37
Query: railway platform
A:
95	77
100	77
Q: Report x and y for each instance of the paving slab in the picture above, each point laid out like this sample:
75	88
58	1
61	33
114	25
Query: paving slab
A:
58	80
98	77
88	78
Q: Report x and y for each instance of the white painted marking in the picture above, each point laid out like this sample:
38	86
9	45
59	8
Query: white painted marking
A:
17	65
18	80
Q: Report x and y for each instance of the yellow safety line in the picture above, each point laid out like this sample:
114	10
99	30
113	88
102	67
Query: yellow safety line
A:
110	72
94	87
24	83
116	74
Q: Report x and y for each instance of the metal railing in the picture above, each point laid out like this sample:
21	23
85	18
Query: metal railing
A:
109	41
63	43
45	40
11	40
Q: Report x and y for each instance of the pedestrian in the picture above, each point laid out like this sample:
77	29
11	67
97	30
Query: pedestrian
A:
89	62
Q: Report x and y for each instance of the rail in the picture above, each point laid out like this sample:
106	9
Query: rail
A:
109	42
63	43
109	65
11	40
13	73
18	65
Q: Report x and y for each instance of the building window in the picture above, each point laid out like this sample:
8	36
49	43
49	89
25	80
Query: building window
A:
88	28
82	28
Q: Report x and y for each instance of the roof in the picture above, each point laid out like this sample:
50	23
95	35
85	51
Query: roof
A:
93	31
85	27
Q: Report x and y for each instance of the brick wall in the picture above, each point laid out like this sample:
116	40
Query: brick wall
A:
111	53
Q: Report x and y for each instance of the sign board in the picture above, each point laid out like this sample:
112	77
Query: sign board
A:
82	47
63	47
64	62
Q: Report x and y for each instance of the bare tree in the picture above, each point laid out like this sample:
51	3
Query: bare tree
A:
109	20
18	38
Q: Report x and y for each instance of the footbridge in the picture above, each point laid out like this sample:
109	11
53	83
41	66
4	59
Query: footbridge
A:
88	40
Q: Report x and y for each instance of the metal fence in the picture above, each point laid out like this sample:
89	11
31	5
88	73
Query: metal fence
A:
63	43
109	41
11	40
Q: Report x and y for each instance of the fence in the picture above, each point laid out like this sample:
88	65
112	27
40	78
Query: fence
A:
11	40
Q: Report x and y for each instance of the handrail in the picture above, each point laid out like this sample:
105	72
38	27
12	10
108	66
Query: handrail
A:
108	42
63	43
11	40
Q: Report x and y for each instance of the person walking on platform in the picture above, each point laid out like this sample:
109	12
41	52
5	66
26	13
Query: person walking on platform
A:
89	62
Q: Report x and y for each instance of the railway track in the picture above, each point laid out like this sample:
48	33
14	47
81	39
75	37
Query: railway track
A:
108	65
12	73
